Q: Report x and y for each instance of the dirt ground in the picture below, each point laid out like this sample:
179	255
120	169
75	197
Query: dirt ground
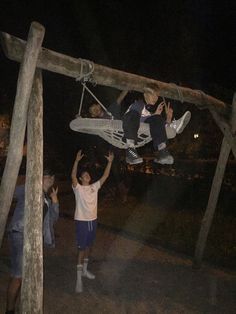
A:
131	277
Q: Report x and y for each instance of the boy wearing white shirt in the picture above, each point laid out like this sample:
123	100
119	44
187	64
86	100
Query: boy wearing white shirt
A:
86	197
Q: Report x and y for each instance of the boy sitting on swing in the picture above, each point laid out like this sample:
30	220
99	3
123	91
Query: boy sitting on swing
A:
147	111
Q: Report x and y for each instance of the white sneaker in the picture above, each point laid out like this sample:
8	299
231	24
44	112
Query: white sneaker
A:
164	157
88	275
181	123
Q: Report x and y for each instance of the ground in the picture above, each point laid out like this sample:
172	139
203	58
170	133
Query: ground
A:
131	277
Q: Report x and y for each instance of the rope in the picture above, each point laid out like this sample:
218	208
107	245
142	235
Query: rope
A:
81	102
91	93
181	97
85	76
203	97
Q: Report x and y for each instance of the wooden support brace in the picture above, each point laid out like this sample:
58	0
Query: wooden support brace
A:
226	130
226	147
18	123
213	198
32	283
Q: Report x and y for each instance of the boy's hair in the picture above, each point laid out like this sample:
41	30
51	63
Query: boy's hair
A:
92	107
81	171
48	172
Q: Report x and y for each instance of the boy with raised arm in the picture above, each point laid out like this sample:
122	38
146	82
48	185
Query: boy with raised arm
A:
86	198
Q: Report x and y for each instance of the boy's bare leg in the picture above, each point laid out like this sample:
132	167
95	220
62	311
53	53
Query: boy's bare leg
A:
13	292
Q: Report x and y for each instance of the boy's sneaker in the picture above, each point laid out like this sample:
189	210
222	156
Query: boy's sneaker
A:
164	157
88	274
132	156
180	124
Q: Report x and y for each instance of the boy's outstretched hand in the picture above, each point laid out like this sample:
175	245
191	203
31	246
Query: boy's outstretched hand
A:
110	157
79	155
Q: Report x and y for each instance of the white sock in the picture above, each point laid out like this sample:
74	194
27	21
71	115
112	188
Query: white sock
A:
130	143
85	265
162	146
79	282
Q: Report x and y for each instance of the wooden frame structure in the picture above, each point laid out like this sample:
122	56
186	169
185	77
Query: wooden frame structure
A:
28	110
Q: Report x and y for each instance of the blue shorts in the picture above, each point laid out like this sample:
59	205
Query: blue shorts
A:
16	251
85	233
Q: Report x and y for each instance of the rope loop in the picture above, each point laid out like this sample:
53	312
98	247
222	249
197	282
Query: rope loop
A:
85	77
203	97
181	97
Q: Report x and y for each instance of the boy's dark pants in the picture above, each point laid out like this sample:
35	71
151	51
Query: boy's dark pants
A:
131	122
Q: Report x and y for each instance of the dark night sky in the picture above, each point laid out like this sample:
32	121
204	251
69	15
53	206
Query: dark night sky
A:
187	42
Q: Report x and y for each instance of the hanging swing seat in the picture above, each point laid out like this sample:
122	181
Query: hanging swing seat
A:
110	130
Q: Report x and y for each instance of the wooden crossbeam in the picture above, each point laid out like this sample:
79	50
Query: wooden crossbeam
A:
102	75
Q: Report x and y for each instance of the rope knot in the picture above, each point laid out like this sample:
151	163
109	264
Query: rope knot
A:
85	65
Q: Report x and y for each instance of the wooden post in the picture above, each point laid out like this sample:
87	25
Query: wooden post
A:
214	194
18	123
32	283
